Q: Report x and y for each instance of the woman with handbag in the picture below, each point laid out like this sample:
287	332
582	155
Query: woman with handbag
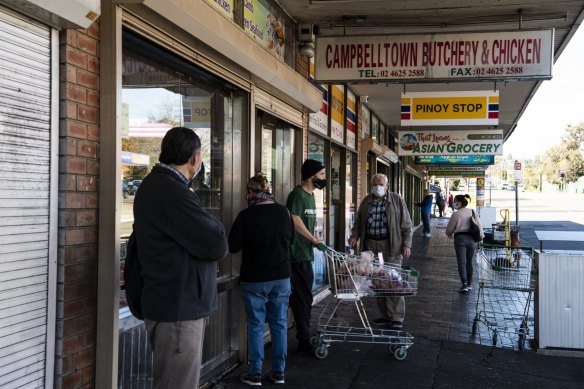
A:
459	227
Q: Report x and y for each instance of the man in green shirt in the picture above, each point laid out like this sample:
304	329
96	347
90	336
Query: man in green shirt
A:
302	206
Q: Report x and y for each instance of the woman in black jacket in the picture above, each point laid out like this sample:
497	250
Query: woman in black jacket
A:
264	232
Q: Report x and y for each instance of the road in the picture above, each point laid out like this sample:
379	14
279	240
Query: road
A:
548	211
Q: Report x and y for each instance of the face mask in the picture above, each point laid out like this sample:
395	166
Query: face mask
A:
379	190
319	184
197	171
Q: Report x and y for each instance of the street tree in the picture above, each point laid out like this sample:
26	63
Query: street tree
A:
566	159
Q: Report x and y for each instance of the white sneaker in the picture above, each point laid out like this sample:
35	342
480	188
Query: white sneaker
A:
427	235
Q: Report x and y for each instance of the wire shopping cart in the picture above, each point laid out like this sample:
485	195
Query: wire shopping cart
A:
502	272
351	279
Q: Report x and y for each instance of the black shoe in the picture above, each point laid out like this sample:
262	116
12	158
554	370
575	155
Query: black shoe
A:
380	321
468	287
278	377
251	379
304	346
463	289
396	324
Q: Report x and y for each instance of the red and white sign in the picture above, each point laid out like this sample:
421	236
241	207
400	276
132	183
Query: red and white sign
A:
518	171
492	55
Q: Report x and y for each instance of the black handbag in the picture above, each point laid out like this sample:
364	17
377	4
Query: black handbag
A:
475	230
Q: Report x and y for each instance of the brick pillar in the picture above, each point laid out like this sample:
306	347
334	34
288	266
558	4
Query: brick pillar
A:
78	208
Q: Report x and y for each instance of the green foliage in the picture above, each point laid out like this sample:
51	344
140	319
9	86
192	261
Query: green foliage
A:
567	157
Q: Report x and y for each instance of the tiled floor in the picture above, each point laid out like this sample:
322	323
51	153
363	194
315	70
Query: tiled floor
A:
439	311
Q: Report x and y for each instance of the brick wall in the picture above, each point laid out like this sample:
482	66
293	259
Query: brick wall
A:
78	208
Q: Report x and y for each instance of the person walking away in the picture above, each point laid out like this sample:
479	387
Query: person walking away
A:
383	225
179	245
425	208
264	233
451	202
459	228
302	206
440	203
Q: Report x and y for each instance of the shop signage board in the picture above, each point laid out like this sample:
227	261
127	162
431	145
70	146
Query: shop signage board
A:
351	120
460	171
264	26
196	111
225	7
450	108
455	160
468	142
337	112
319	121
520	54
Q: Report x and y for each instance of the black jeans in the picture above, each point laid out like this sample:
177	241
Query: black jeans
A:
465	248
301	297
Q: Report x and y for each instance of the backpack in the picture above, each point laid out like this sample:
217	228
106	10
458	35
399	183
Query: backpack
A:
133	282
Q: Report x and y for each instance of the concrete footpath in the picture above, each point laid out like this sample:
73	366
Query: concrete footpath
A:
446	353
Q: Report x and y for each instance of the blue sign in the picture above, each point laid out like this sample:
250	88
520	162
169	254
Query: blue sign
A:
456	160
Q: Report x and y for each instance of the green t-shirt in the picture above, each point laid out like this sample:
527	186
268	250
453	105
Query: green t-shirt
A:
302	204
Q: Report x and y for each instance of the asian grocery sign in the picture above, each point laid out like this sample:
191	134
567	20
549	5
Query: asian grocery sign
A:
477	142
496	55
450	108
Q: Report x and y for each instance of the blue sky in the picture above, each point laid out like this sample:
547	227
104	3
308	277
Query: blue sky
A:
557	103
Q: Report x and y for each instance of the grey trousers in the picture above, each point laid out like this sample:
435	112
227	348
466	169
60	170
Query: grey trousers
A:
392	308
177	348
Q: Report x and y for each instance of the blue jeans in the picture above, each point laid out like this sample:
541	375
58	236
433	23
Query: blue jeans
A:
266	301
426	222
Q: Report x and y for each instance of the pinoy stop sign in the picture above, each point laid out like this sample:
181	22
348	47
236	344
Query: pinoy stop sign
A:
518	171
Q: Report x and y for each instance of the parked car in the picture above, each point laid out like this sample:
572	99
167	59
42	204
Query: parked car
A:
133	186
125	192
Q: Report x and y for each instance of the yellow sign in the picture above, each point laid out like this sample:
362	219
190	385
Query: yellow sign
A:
450	108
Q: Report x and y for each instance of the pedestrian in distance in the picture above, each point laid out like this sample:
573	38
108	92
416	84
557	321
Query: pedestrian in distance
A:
179	245
264	233
302	206
383	225
425	208
451	202
440	203
458	228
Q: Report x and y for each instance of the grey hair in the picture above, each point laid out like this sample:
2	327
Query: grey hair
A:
380	175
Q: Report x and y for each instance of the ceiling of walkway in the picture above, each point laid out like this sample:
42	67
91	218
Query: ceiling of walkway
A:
391	17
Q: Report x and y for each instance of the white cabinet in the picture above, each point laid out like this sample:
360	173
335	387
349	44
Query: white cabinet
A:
559	299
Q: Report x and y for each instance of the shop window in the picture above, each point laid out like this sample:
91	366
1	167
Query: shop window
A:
161	91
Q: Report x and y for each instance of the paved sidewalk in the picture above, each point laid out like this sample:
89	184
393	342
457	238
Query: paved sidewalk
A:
445	354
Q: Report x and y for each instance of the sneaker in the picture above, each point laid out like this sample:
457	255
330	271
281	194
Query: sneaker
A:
251	379
380	321
427	235
468	287
464	289
396	324
278	377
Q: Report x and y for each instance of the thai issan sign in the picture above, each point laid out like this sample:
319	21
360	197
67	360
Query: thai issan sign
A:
450	108
490	55
471	142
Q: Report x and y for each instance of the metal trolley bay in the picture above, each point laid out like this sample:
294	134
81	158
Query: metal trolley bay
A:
502	269
353	278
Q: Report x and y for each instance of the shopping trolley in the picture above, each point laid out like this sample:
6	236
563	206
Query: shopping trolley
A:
502	272
353	278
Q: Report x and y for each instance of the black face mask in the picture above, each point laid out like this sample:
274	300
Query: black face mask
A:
319	184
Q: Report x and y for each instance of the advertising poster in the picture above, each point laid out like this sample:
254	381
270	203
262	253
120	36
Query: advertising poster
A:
471	142
351	119
337	112
197	112
225	7
264	26
375	128
366	122
319	121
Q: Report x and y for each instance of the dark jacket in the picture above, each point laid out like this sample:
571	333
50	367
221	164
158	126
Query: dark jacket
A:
179	245
398	218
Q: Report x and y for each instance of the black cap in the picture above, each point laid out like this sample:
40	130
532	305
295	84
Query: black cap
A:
310	167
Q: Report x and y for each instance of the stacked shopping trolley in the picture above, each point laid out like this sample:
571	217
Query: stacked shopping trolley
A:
507	279
352	279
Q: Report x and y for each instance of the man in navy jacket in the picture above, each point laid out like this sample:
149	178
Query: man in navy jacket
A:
179	245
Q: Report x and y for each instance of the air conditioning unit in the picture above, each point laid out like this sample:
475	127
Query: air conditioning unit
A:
79	12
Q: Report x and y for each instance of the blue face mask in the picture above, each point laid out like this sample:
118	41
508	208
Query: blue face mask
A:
379	190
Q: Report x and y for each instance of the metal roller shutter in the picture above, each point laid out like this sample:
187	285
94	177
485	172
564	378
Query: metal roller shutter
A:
268	103
25	150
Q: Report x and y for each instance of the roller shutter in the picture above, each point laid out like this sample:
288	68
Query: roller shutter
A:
25	146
